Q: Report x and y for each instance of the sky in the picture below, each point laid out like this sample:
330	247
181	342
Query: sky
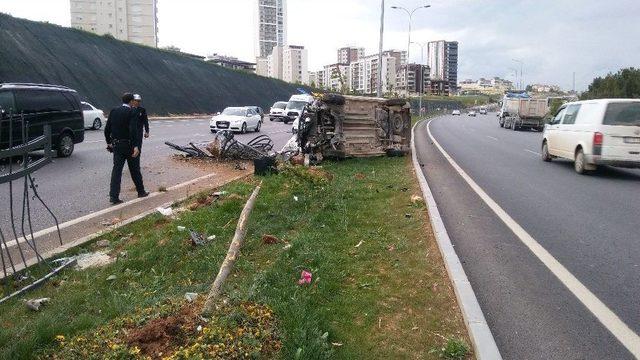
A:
553	38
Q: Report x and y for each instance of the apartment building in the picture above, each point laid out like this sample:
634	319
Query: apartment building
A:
443	62
128	20
262	66
364	74
271	26
295	64
275	62
347	55
337	77
417	76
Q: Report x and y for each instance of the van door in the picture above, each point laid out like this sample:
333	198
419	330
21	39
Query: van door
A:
552	132
621	131
567	137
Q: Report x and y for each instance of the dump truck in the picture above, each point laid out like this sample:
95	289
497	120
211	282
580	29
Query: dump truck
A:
339	126
522	112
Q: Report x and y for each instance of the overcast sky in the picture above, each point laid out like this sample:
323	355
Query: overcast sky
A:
554	38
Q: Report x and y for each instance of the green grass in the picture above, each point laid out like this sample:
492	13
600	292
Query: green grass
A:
387	298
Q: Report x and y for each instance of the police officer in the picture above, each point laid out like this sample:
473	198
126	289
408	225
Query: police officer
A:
141	118
121	134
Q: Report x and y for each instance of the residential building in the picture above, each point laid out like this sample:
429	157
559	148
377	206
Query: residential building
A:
231	62
128	20
542	88
295	64
275	62
418	78
262	66
495	86
443	62
271	26
347	55
364	74
439	87
337	77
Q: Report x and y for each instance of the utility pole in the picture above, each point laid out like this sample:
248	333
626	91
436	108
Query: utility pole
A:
380	50
521	86
574	82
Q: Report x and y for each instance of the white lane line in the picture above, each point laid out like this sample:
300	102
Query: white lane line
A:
607	318
492	138
533	152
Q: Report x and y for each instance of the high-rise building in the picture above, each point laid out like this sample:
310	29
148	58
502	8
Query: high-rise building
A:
128	20
338	77
418	78
295	64
443	62
364	73
275	62
271	26
347	55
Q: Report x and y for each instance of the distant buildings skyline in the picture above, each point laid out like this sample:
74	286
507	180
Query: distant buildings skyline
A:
271	26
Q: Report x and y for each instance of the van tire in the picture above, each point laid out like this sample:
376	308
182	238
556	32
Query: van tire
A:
579	164
546	157
65	145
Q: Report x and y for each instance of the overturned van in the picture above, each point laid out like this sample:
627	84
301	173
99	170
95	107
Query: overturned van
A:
340	126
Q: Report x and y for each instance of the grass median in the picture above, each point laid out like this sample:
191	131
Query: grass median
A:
378	286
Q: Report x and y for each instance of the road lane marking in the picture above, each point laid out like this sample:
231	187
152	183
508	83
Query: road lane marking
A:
533	152
492	138
606	316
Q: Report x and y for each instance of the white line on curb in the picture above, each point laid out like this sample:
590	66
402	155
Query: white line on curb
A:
484	344
608	318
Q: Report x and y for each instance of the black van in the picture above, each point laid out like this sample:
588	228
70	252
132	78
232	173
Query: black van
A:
41	104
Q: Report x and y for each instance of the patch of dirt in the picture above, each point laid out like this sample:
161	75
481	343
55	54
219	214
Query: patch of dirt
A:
159	337
360	176
91	260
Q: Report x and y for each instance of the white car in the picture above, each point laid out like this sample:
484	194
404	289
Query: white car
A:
93	117
595	132
276	113
472	113
483	111
455	112
240	119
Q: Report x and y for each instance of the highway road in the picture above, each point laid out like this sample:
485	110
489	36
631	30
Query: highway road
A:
588	224
79	185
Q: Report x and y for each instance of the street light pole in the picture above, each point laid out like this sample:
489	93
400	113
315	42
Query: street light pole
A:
380	50
406	65
421	92
521	79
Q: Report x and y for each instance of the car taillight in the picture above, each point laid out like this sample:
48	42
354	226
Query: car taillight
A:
598	138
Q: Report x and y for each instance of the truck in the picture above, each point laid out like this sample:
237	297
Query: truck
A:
519	111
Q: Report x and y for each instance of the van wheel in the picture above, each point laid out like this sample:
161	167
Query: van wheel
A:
97	124
546	157
65	145
579	163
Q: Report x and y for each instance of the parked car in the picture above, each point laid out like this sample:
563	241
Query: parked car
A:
93	117
483	111
240	119
258	110
42	104
472	113
455	112
276	113
295	106
595	132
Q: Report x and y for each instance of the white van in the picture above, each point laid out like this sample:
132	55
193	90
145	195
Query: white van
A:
595	132
295	105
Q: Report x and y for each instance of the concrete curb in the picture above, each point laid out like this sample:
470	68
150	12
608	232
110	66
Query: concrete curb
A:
484	345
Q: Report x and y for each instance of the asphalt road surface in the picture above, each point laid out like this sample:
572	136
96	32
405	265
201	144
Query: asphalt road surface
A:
587	223
79	185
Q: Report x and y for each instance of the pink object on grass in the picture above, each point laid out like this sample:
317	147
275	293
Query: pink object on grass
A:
305	278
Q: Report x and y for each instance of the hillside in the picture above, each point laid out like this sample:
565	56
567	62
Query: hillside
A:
101	68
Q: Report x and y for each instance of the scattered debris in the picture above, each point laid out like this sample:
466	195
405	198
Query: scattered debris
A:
196	238
181	228
212	237
92	260
337	344
305	278
359	244
270	239
103	243
35	304
360	176
240	166
286	247
165	211
219	193
112	278
191	297
415	199
111	222
408	216
225	146
295	198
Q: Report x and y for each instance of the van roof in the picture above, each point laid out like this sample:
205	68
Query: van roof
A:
34	86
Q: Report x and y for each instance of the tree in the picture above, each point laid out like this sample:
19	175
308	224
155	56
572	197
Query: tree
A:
171	48
623	84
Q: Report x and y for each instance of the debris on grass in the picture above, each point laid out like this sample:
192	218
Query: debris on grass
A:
416	200
36	304
270	239
168	211
181	228
295	198
305	278
103	243
112	278
93	260
359	244
197	239
360	176
212	237
191	297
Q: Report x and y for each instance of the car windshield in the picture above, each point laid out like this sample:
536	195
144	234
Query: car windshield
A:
234	112
296	105
626	113
280	105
